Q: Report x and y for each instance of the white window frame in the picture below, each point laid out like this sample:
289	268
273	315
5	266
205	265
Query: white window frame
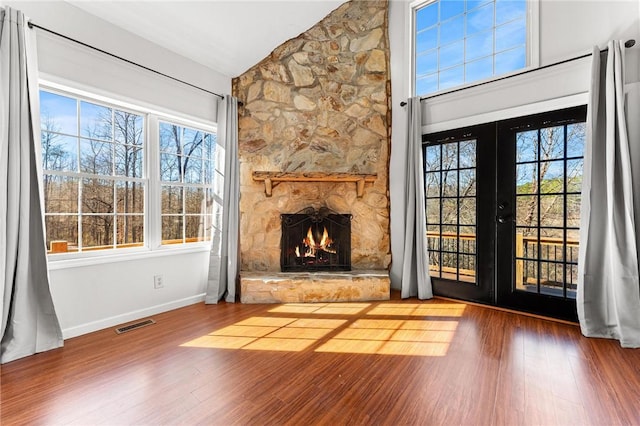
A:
152	199
533	47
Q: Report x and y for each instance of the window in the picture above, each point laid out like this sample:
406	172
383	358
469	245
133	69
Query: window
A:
93	162
463	41
186	173
101	190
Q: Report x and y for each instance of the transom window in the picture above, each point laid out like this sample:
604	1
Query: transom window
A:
463	41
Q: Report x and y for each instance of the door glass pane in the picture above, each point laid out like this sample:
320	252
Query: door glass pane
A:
450	211
432	184
433	210
526	176
548	178
575	139
551	210
467	181
450	188
467	150
467	215
527	210
433	157
551	177
450	183
552	143
527	146
573	210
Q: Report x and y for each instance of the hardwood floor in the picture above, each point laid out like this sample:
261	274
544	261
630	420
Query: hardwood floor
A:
399	362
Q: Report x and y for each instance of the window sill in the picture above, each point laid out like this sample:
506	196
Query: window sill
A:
123	256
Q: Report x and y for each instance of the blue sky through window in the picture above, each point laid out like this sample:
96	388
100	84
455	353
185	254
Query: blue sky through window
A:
60	111
462	41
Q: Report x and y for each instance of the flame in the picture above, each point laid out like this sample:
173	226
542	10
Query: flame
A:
312	246
310	241
325	241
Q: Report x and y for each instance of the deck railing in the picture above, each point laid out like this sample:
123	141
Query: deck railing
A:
60	246
526	253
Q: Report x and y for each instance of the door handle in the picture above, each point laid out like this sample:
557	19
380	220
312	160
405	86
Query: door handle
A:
504	218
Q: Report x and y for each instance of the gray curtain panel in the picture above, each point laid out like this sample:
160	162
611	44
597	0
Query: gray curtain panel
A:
415	264
224	257
608	288
29	322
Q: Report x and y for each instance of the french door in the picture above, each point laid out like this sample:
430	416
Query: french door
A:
460	194
503	211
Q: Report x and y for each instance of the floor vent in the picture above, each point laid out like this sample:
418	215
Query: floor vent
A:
134	326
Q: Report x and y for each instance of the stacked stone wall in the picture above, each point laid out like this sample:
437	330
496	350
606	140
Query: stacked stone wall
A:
319	102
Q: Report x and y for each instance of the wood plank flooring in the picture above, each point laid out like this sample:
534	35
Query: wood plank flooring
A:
401	362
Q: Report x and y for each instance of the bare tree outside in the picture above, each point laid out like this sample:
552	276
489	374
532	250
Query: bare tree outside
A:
186	162
94	183
60	192
93	168
549	167
451	209
545	176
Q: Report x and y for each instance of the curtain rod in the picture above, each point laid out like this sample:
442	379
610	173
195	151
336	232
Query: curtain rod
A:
627	44
32	25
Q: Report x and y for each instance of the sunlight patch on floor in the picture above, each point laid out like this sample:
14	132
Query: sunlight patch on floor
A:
419	309
269	334
321	308
285	345
427	336
393	337
266	321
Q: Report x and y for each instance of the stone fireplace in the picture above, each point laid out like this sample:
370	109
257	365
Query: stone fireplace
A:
314	134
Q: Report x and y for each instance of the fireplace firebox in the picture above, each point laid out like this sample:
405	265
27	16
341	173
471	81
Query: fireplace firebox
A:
315	240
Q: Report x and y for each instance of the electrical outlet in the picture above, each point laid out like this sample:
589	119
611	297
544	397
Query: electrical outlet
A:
157	281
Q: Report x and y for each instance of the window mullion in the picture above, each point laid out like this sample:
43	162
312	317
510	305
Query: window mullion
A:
153	228
80	191
113	173
80	180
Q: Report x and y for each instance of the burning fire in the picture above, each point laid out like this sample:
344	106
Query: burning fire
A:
311	246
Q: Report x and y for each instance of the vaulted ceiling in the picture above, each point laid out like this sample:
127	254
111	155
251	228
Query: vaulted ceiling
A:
227	36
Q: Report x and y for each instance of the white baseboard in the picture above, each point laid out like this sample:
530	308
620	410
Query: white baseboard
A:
90	327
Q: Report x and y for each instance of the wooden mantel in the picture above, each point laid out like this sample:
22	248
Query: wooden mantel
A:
271	179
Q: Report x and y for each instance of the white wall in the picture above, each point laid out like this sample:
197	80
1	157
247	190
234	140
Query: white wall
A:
95	296
567	29
89	296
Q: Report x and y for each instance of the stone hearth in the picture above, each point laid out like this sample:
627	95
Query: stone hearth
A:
305	287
